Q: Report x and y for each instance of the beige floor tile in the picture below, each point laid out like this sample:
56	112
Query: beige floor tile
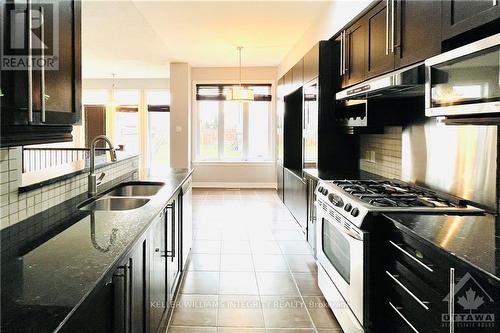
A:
294	247
308	284
238	283
276	284
320	313
240	311
285	312
204	262
291	235
206	246
240	330
265	247
208	234
236	262
302	263
187	329
197	282
235	247
270	263
195	310
290	330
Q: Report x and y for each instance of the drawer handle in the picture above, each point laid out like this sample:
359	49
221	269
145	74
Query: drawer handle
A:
403	317
412	257
423	304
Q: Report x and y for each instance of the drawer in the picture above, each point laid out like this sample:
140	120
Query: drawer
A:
409	284
426	263
399	320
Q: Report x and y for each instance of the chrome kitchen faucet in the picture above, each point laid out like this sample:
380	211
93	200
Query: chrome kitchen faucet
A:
95	181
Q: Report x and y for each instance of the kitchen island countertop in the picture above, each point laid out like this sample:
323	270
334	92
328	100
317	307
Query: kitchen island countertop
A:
46	282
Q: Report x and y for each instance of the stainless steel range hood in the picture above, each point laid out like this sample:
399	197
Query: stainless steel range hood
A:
406	82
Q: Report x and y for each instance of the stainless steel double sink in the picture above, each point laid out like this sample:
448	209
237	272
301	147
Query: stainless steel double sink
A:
125	196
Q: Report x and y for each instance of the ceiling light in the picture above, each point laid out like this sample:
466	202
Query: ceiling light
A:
240	93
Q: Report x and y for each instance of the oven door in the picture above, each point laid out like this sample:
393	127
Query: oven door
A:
464	81
341	254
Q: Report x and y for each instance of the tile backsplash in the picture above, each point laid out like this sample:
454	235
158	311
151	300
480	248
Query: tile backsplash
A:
381	153
16	207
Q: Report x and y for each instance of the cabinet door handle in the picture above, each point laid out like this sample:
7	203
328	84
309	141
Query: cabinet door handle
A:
393	23
397	310
387	27
451	304
347	53
410	256
341	67
42	56
171	252
393	277
29	39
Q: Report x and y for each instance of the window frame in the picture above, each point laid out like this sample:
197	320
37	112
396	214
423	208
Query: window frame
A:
245	158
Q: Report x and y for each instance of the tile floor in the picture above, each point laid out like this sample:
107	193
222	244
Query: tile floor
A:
250	269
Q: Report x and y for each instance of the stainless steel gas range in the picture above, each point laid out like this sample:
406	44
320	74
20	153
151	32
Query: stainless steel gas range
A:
344	213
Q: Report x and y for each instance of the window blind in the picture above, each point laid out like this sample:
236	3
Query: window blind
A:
219	92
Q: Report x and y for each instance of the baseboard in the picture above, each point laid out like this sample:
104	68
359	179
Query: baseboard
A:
232	185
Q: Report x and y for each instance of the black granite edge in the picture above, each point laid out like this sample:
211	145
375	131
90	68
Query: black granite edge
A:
330	175
450	255
35	230
45	182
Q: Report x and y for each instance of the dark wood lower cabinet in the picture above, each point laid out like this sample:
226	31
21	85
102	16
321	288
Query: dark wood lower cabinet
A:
295	195
279	181
138	295
414	288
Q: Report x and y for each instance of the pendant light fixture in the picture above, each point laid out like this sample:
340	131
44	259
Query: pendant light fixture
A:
240	93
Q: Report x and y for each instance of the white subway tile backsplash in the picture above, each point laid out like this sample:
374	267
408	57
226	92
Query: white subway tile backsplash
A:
16	206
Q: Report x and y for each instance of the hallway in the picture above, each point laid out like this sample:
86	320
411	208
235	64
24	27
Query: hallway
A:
250	269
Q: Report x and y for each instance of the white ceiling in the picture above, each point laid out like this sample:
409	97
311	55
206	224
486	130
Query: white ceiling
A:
138	39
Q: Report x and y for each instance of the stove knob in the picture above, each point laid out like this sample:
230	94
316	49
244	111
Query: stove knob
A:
320	189
348	207
355	212
325	191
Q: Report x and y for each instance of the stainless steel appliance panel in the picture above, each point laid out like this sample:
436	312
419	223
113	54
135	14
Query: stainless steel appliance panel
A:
460	160
464	81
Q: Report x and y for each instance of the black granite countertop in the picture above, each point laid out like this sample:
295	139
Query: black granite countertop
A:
331	175
473	239
46	281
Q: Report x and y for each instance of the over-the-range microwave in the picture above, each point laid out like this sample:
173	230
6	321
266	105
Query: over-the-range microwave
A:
464	81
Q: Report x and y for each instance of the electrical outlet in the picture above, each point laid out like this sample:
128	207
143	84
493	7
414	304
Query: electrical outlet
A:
370	155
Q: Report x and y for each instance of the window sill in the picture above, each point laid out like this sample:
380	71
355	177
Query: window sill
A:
234	163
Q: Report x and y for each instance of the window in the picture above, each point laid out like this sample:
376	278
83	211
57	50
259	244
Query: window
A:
158	102
233	131
127	119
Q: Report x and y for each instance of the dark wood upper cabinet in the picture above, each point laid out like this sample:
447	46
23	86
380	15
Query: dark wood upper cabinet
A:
354	54
460	16
287	82
311	64
298	74
417	31
379	58
58	81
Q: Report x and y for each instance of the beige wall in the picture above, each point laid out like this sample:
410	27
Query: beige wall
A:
335	16
234	174
180	115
